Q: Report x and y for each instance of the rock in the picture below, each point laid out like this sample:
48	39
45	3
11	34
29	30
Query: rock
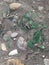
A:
14	34
40	8
46	61
13	52
3	47
21	43
14	6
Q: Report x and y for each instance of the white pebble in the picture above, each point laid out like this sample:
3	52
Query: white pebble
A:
14	34
43	56
40	8
13	52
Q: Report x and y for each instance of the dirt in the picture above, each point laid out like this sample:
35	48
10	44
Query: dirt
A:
27	5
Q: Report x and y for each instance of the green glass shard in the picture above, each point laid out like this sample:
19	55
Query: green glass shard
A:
30	22
30	44
43	38
19	22
26	15
36	36
42	47
35	14
35	25
23	28
31	15
44	26
8	45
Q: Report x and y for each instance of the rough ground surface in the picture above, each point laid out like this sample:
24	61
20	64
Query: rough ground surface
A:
27	6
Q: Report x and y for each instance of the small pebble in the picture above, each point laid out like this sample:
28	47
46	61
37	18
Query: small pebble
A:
14	24
3	47
40	8
33	10
14	39
43	56
35	44
14	34
16	17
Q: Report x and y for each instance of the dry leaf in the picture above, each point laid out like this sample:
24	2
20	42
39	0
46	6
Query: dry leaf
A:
14	62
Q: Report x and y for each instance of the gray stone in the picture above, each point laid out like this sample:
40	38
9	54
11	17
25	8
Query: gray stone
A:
21	43
46	61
